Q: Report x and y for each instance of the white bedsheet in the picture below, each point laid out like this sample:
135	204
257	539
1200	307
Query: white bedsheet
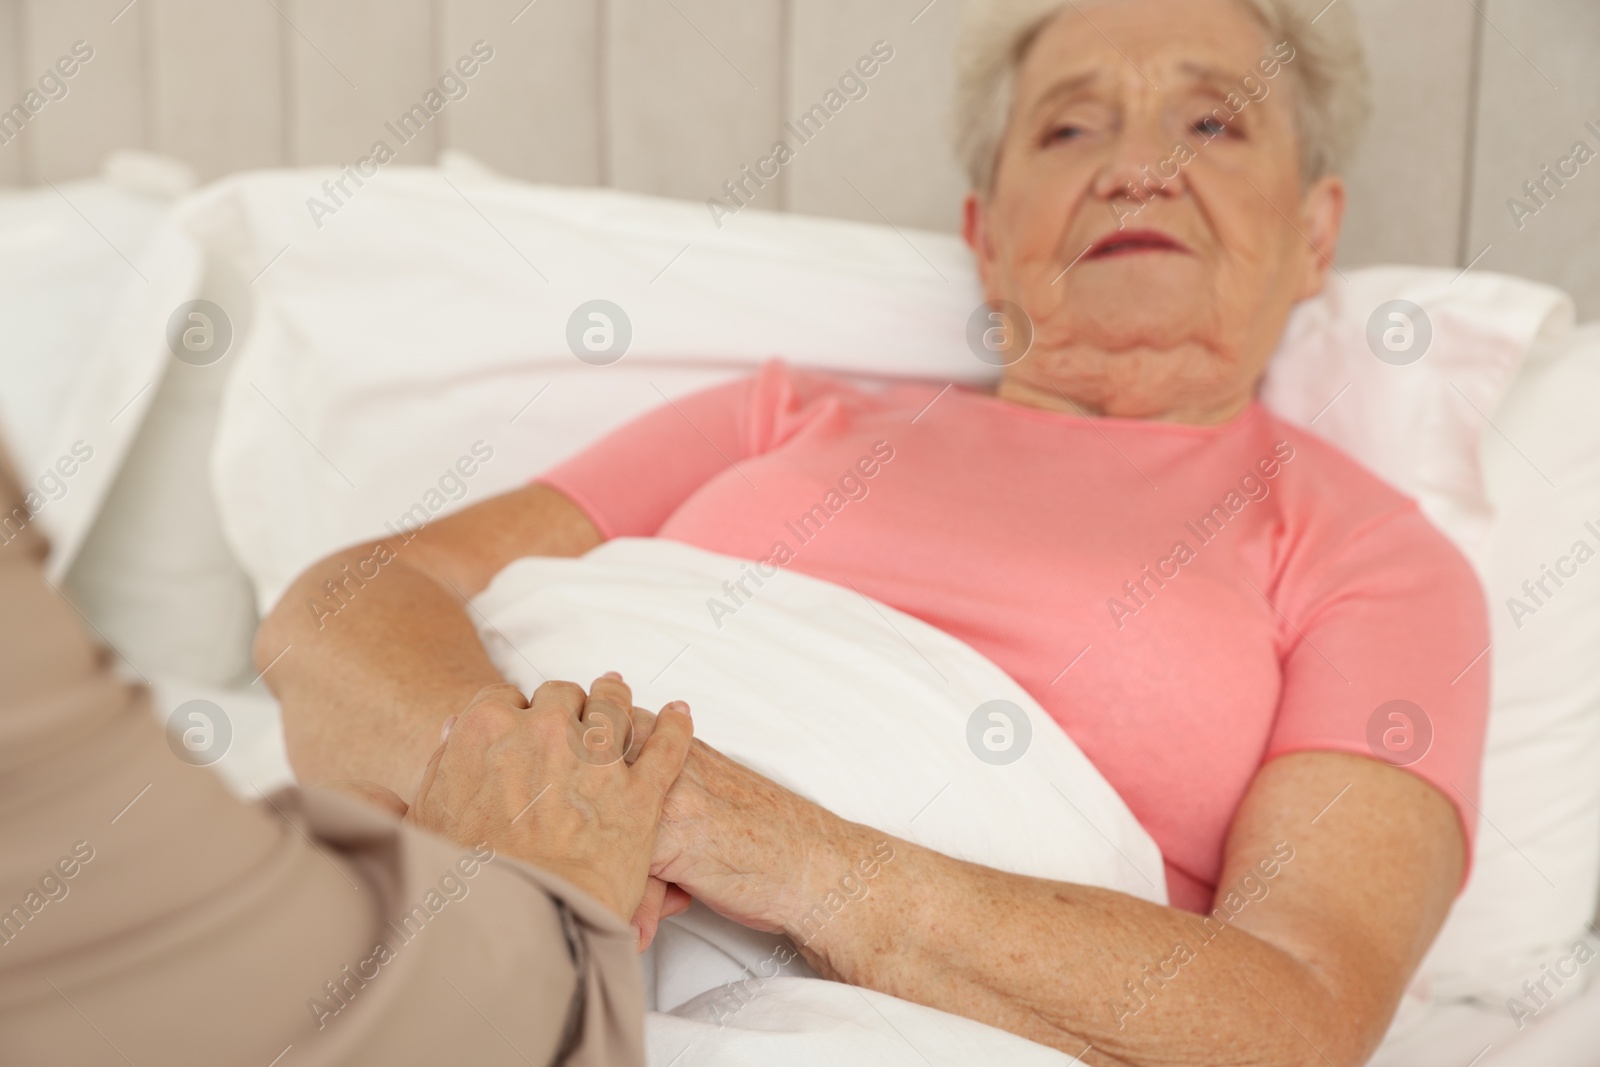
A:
853	704
700	962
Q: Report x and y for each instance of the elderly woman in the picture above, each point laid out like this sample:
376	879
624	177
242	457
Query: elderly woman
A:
1230	617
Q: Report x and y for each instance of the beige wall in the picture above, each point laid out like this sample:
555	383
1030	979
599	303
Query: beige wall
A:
675	96
1540	95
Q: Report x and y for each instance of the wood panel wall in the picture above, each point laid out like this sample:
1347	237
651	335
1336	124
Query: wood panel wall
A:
1539	99
675	97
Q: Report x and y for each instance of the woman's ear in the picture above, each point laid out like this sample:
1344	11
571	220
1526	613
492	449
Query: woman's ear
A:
1322	216
974	227
975	231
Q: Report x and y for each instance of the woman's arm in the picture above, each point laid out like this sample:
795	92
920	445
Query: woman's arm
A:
377	647
372	648
1309	971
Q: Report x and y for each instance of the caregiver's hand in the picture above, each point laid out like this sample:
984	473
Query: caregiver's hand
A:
546	783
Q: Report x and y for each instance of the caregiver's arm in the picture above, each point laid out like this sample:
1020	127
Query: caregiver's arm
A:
372	648
1308	974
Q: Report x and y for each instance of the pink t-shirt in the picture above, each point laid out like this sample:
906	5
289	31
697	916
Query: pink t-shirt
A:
1186	602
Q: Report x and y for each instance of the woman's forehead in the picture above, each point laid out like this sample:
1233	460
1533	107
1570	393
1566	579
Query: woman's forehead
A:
1166	44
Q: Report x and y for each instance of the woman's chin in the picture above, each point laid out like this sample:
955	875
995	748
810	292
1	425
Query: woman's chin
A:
1136	278
1116	318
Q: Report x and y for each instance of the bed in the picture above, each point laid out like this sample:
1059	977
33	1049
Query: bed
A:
222	465
324	417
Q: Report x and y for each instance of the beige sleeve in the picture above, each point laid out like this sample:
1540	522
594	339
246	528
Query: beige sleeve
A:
147	916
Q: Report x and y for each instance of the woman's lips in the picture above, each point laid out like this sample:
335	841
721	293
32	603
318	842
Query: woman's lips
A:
1132	242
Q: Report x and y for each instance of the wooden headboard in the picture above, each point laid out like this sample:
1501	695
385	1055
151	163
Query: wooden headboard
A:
675	97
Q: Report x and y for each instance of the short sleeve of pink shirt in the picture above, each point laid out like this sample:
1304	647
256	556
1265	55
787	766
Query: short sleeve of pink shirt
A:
1186	602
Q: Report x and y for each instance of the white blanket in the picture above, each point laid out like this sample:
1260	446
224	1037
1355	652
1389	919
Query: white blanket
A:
871	713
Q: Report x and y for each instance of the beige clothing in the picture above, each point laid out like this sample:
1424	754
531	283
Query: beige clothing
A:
146	916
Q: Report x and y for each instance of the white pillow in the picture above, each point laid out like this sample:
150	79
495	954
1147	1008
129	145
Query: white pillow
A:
1532	892
1419	420
89	376
85	273
417	325
426	290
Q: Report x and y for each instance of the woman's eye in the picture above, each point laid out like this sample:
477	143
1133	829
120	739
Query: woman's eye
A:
1212	127
1065	133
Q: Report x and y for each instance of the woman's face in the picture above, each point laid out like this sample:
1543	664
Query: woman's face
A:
1161	292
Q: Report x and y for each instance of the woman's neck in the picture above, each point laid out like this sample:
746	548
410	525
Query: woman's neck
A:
1054	398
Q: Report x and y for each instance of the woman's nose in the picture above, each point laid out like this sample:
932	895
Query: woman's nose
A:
1141	164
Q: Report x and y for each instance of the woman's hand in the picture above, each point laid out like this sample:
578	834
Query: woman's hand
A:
546	783
745	846
661	901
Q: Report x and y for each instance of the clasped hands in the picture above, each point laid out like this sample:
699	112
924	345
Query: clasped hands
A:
624	804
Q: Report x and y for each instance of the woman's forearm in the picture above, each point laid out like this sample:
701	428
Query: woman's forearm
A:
372	648
366	673
1337	873
1098	974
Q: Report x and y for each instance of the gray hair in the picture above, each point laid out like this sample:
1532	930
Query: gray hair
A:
1332	101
